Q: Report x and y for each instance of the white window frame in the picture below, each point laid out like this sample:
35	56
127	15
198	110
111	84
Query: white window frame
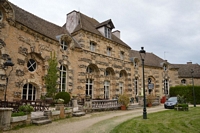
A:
92	46
121	87
166	86
31	92
106	89
107	32
63	79
89	87
64	45
165	68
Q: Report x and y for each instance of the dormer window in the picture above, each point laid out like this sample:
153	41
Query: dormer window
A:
165	68
121	55
109	49
107	32
1	16
64	45
92	46
89	69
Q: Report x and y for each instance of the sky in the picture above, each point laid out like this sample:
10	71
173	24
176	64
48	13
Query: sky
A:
168	28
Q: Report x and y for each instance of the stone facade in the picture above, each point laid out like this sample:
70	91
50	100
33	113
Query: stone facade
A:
91	61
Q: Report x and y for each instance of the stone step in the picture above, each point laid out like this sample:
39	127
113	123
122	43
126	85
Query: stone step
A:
39	118
41	122
78	113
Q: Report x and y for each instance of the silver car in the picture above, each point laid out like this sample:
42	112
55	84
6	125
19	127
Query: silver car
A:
171	102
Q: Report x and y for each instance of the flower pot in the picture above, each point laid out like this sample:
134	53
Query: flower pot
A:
123	107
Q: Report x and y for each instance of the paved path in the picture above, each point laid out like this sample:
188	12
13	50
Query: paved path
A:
100	122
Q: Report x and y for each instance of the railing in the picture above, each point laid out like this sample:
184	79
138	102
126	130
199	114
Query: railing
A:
38	105
105	104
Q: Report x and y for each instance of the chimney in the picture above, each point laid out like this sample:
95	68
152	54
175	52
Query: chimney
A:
189	62
72	21
116	33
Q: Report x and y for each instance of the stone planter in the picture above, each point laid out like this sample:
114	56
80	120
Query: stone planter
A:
56	112
5	116
18	118
68	111
57	106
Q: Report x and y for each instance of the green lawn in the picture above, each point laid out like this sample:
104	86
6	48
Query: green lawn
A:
168	121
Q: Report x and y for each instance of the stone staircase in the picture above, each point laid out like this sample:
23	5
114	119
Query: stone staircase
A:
134	106
41	120
38	118
78	111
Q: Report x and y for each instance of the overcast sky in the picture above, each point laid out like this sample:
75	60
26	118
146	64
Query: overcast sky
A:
168	28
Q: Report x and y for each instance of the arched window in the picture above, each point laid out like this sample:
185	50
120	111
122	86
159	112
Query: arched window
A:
107	73
183	81
63	75
29	92
89	69
31	65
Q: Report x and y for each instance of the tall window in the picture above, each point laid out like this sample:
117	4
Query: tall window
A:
106	89
92	46
64	45
63	75
121	55
109	51
107	32
136	85
166	87
121	86
165	68
31	65
1	15
89	87
29	92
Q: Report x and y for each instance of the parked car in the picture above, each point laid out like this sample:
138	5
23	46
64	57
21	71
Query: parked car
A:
171	102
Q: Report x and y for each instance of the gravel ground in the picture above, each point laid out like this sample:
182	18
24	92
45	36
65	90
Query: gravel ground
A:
99	122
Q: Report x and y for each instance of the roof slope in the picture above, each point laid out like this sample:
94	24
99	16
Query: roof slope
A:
90	24
150	58
185	70
37	24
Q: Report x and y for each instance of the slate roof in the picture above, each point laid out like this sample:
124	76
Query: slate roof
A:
150	59
38	24
184	70
90	24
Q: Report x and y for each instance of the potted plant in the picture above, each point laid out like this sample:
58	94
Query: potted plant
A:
150	99
124	101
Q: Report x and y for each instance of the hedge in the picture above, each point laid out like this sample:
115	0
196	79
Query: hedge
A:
187	92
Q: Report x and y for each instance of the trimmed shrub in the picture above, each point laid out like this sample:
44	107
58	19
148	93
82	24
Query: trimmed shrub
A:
15	114
63	95
187	92
26	108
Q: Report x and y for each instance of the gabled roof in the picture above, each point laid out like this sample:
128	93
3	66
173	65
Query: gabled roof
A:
89	24
105	23
150	59
184	70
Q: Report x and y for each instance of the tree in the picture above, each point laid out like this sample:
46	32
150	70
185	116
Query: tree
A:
52	76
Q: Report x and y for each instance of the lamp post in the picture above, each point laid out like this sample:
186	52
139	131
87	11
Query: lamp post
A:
6	64
192	71
142	55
